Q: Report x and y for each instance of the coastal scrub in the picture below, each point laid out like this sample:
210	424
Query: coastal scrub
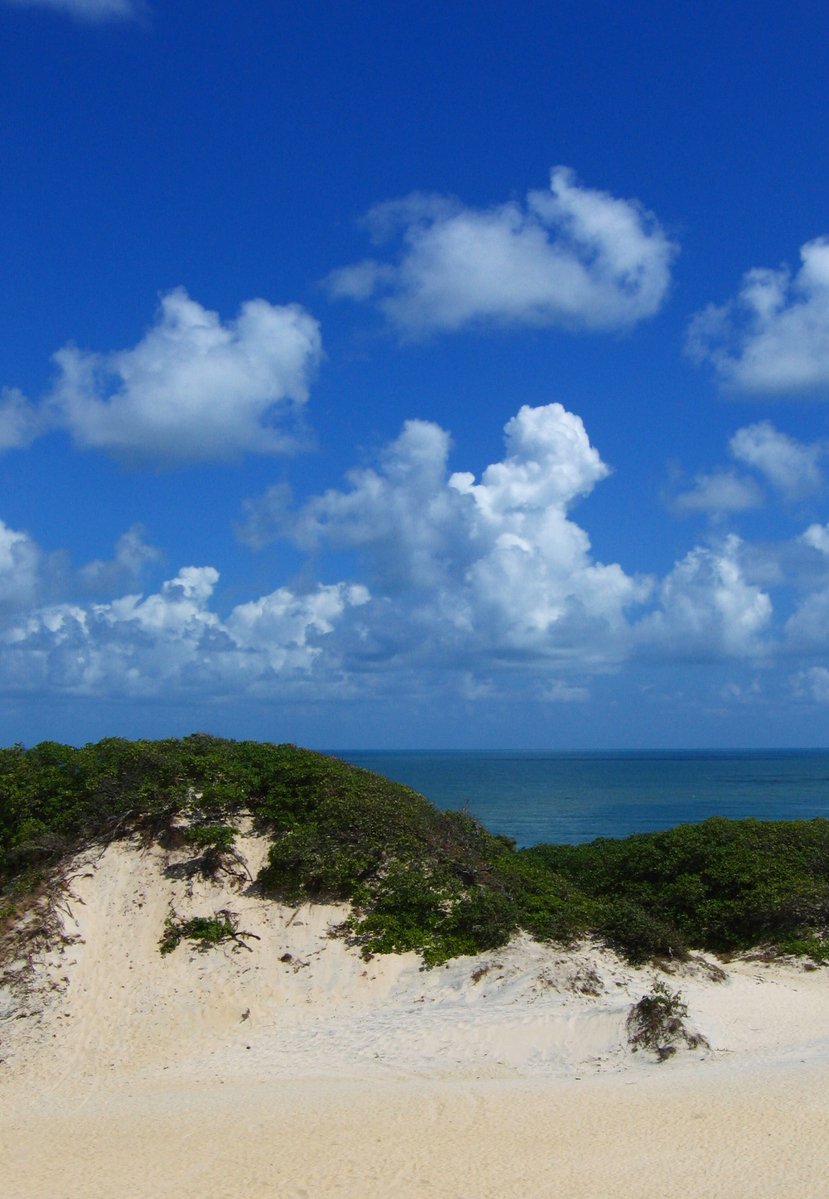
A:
416	878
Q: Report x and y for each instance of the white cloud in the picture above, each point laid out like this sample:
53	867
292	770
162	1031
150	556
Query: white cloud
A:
20	567
707	608
774	337
481	586
193	388
484	570
718	493
31	577
20	422
807	629
817	536
789	465
88	10
570	256
133	556
792	467
173	642
560	692
812	684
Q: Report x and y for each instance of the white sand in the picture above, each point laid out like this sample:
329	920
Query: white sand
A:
235	1073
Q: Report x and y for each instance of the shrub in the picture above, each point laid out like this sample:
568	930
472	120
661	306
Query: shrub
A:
657	1023
205	931
210	836
637	934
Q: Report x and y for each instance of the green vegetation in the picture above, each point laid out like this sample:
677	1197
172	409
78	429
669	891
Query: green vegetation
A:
417	878
204	931
657	1023
211	837
725	885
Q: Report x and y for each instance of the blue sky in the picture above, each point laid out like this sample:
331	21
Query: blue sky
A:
437	375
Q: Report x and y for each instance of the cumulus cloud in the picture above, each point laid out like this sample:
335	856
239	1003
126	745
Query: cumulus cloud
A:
479	584
20	569
173	642
774	336
569	256
719	493
489	568
31	577
807	629
789	465
88	10
193	389
707	608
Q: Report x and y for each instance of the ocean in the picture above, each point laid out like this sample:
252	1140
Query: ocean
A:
571	797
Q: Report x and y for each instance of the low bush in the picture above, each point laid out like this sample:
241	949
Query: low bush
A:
657	1023
203	931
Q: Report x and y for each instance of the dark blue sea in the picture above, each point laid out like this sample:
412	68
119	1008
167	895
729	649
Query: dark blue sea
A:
571	797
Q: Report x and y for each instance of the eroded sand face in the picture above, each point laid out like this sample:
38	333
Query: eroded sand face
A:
295	1068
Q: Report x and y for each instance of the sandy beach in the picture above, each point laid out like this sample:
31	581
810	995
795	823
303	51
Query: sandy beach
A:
286	1065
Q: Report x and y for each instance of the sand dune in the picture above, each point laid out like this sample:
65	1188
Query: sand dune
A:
288	1066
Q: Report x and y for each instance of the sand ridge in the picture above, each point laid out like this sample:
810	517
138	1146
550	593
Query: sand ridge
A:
293	1067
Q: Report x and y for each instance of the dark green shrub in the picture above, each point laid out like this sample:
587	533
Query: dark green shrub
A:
636	933
210	836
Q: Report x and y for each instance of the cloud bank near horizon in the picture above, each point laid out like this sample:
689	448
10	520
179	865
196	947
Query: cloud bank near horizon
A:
484	586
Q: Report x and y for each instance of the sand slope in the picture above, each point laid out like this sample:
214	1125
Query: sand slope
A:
295	1068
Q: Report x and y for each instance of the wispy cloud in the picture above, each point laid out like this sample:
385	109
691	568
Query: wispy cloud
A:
569	256
791	466
773	338
89	10
718	493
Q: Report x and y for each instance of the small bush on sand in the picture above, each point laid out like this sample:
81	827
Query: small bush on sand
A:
204	931
657	1023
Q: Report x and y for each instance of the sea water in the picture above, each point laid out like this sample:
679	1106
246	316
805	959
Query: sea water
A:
571	797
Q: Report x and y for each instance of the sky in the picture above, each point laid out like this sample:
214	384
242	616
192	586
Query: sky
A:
415	376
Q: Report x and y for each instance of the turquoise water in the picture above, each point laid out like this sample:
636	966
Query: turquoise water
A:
572	797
